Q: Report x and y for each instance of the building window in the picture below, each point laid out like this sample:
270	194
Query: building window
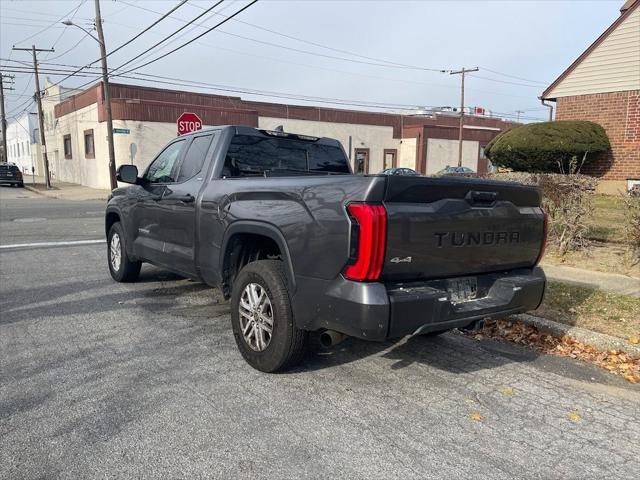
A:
89	149
67	146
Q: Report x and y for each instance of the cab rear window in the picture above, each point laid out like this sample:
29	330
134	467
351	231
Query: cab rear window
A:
250	155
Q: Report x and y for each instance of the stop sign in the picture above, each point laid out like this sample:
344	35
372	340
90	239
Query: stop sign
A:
188	122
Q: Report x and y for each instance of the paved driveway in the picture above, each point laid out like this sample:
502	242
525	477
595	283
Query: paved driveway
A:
99	379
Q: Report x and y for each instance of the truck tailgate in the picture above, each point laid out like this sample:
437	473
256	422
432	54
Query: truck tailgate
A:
448	227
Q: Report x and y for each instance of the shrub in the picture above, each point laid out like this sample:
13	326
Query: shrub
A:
560	147
568	199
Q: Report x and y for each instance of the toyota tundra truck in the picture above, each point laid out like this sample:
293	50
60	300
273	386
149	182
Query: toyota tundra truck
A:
298	243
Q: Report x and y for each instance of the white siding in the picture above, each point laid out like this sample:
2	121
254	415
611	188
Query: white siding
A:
408	153
444	153
613	66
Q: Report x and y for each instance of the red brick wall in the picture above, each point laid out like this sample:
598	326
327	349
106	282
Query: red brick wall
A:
619	115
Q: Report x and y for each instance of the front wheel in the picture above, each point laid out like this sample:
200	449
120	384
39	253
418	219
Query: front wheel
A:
262	319
122	269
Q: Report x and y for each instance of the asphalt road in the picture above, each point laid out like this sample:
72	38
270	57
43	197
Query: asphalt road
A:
99	379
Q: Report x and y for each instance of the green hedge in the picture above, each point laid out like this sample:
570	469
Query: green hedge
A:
563	146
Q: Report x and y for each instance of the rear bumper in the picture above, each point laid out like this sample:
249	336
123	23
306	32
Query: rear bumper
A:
376	311
10	180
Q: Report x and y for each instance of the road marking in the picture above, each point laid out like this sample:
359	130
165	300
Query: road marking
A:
52	244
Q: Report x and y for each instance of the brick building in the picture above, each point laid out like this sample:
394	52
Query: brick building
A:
144	120
603	86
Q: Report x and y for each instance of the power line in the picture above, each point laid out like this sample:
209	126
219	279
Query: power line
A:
225	88
51	25
121	46
171	35
506	81
65	28
383	63
147	29
315	44
182	35
513	76
70	49
238	12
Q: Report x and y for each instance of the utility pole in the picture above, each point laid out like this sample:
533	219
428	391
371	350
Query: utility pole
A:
38	95
518	112
106	98
462	72
3	118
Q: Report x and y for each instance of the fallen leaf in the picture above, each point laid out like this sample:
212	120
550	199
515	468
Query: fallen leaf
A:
476	416
633	339
468	400
574	417
507	391
631	378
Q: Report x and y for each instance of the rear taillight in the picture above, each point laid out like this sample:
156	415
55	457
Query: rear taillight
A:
545	231
19	173
369	238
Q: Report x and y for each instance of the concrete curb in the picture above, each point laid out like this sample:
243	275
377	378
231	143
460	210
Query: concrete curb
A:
599	340
608	282
58	194
39	192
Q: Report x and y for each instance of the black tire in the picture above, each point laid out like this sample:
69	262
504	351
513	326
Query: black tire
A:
287	343
127	270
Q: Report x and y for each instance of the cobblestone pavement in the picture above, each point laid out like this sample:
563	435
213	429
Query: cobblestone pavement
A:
99	379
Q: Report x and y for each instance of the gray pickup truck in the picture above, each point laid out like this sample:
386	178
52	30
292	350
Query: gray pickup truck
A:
299	244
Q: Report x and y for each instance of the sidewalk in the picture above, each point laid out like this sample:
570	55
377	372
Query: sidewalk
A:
609	282
64	190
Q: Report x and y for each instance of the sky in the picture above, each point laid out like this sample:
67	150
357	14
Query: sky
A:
386	52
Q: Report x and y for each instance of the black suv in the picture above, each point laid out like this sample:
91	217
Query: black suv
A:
10	174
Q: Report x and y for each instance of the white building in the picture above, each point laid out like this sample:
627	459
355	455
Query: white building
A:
144	120
21	135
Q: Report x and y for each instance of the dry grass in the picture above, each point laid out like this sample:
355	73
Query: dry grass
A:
607	222
601	257
603	312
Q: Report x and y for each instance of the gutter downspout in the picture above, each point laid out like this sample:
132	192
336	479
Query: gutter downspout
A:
550	107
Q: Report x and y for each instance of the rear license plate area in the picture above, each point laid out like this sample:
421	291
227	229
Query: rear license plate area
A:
462	289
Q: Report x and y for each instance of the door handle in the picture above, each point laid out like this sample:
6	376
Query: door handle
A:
185	198
481	199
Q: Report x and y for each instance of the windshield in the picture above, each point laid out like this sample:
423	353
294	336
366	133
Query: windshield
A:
250	155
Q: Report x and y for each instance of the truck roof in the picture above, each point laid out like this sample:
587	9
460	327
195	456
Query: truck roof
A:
245	130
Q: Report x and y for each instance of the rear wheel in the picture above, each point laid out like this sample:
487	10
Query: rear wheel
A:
262	319
122	269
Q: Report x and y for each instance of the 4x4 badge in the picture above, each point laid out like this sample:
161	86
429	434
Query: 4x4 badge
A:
400	260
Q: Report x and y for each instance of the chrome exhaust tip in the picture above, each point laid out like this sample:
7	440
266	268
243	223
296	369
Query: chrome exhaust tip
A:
329	338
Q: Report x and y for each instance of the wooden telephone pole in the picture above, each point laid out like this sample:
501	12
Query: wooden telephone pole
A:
107	98
3	118
462	72
43	143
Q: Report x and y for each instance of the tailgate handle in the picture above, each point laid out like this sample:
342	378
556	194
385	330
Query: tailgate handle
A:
481	199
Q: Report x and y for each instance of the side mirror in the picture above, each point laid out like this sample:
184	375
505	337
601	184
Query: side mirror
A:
127	174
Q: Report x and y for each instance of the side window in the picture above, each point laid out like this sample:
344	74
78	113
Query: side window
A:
163	168
194	158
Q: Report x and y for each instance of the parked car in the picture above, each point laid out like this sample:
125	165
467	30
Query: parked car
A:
400	171
10	174
456	171
299	244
